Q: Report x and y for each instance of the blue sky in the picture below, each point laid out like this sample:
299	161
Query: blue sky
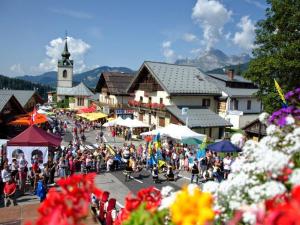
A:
121	32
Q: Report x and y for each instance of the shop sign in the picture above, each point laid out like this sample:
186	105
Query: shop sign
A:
124	111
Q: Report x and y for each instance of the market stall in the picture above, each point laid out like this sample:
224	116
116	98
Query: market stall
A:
113	122
223	146
27	120
177	132
92	116
32	141
131	123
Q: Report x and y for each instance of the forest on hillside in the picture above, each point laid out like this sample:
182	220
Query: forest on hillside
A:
17	84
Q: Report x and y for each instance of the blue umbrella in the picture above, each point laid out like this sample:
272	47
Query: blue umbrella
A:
223	146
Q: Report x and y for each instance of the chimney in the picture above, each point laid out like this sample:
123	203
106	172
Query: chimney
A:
230	74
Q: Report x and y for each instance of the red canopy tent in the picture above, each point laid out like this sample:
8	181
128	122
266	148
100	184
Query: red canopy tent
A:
34	136
32	141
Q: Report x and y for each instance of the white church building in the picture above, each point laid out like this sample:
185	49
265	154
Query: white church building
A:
79	96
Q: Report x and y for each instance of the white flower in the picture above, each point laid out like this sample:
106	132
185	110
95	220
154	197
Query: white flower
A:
166	191
249	217
289	120
295	177
168	201
238	139
272	129
291	142
210	186
263	117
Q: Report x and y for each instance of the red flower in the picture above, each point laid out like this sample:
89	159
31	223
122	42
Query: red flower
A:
70	204
154	105
151	196
161	106
285	174
283	210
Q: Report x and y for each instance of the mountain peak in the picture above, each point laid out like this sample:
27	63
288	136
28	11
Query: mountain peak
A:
214	58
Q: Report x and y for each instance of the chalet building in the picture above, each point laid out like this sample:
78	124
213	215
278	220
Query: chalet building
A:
160	91
255	130
27	98
9	109
113	96
78	96
237	104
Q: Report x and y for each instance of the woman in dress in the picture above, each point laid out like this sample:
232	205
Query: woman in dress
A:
62	168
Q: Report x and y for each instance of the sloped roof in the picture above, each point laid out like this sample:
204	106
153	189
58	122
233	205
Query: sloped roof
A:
22	96
180	79
4	98
79	90
232	92
117	83
200	117
236	78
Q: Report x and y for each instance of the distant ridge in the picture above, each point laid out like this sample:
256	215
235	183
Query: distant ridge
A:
90	78
18	84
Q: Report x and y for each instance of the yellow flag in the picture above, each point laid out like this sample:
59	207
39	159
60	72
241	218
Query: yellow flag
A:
278	88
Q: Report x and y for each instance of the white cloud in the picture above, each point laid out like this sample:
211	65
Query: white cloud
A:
211	16
72	13
188	37
77	48
166	44
245	38
17	69
168	52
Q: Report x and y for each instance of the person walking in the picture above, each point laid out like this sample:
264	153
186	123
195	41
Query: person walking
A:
195	172
113	134
62	168
51	166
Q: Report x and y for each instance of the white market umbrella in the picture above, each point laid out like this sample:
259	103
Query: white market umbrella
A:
132	123
176	132
113	122
181	132
138	123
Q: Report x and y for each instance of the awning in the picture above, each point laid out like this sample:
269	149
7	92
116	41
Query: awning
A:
92	116
27	120
177	132
132	123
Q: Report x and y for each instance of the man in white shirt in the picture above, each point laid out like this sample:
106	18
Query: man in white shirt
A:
227	165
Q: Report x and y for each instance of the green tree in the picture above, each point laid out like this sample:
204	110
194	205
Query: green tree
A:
277	55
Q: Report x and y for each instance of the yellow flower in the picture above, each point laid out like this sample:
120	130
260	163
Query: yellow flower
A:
192	207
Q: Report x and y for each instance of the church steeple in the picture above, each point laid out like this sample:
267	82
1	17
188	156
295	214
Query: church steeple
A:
65	68
66	54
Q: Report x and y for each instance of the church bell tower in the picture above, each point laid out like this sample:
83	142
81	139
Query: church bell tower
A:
65	68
